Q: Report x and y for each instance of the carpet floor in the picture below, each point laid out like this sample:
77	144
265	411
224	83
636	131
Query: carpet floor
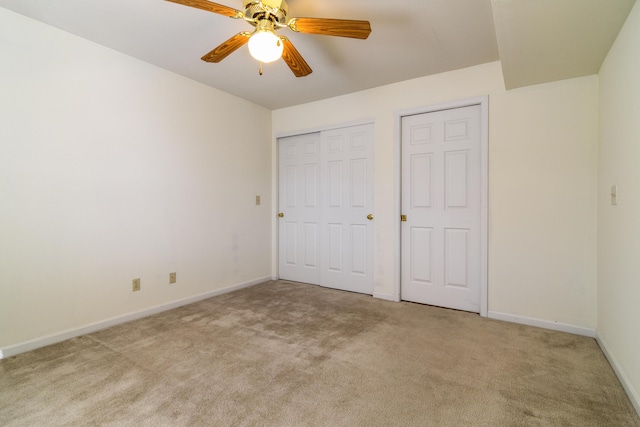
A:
289	354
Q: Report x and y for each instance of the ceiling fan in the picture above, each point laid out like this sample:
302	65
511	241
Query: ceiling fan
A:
268	16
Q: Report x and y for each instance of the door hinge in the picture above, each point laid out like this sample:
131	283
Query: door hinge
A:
403	218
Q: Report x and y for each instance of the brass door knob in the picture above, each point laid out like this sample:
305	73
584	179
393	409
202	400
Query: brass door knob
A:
369	217
281	215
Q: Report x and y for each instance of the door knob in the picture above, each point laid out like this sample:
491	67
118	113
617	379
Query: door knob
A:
369	217
281	215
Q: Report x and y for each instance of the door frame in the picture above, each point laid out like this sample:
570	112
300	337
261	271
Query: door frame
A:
483	102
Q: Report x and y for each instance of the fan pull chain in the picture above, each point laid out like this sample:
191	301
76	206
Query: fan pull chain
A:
261	68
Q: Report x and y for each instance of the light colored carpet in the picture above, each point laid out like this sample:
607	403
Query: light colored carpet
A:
288	354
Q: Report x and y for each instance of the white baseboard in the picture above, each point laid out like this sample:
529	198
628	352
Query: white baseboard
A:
634	397
93	327
546	324
387	297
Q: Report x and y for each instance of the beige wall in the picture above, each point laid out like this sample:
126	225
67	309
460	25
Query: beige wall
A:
542	185
619	226
112	169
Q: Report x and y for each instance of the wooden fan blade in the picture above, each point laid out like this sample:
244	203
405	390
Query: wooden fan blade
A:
227	48
294	60
331	27
211	7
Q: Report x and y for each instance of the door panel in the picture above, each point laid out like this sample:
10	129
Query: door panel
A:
422	179
291	243
359	183
421	252
299	193
456	257
335	184
441	196
359	250
311	256
335	248
456	181
347	158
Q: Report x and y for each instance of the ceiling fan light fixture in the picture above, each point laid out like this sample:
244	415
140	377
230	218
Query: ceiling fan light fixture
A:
265	46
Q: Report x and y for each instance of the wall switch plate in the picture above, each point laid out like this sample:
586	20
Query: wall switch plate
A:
172	278
135	285
614	195
257	200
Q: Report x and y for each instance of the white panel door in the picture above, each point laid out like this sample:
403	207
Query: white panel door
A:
299	208
441	198
347	201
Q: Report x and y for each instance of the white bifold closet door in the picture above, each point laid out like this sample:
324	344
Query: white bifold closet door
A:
299	208
325	199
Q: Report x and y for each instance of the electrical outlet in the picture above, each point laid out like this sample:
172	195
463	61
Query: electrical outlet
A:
172	278
135	285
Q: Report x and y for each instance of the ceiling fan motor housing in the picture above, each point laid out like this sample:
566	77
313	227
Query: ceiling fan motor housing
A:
273	10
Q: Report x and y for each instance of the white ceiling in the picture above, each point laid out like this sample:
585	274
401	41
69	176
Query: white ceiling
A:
547	40
537	41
